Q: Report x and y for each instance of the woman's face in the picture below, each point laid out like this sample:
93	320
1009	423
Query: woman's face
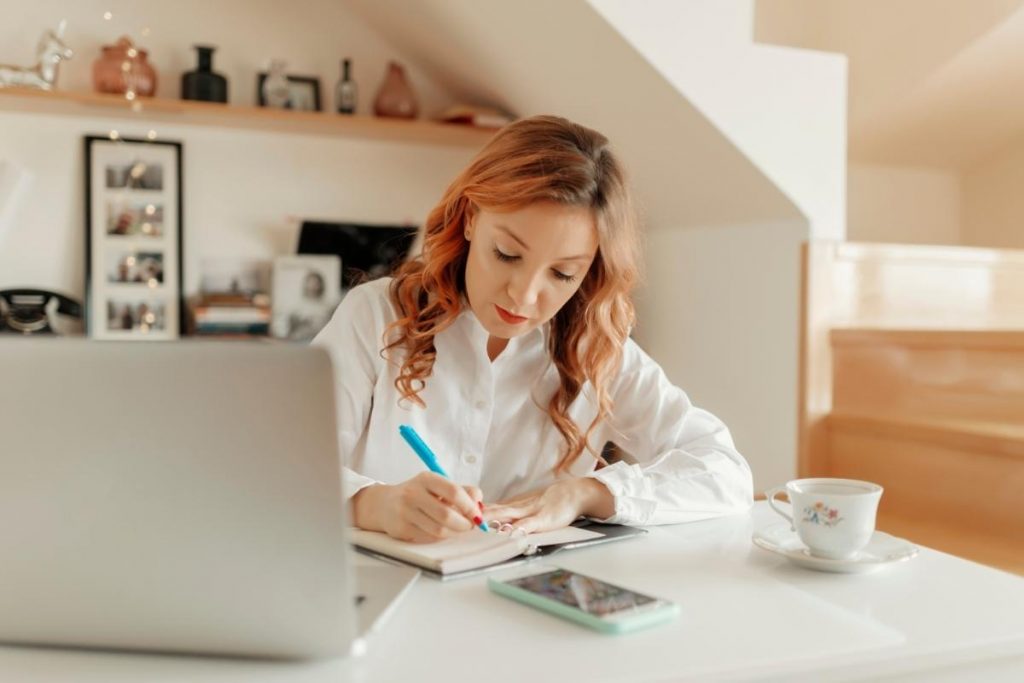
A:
524	265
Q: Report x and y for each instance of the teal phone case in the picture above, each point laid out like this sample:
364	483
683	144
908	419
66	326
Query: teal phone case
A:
639	621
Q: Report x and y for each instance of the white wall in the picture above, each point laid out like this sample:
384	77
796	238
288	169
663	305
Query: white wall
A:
719	311
784	109
566	58
904	205
242	190
993	200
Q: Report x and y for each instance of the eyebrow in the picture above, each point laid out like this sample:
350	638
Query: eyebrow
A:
525	246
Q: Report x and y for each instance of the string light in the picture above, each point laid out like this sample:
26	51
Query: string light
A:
129	67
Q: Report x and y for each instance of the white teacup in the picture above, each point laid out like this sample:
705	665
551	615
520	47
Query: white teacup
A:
835	518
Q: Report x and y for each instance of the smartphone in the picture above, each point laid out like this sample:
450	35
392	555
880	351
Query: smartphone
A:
602	606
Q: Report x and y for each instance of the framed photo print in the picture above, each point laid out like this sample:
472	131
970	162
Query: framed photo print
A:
306	290
133	230
303	92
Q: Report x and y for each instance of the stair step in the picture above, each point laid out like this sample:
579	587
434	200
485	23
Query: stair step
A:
954	373
978	545
987	337
997	438
966	473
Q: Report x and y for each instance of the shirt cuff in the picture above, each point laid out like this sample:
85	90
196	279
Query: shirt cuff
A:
633	503
352	483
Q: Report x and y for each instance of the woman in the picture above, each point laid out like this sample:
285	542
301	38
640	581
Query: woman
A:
506	346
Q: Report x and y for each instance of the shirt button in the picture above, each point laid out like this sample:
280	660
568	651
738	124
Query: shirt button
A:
480	405
469	458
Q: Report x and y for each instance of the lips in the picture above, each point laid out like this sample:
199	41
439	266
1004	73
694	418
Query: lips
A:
509	317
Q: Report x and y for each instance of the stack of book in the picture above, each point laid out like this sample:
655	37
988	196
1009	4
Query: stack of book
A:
231	314
481	117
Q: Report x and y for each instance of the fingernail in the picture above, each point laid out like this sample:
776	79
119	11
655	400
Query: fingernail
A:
478	519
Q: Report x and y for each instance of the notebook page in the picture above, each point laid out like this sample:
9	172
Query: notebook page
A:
477	556
569	534
465	551
471	549
474	542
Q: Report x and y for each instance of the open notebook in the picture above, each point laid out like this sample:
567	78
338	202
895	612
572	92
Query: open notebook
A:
475	550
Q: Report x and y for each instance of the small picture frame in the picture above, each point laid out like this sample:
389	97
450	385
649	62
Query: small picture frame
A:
303	92
305	291
133	237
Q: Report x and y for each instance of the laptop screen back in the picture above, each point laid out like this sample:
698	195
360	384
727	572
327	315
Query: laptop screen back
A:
176	497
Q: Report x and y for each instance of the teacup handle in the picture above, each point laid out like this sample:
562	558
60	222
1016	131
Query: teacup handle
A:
770	495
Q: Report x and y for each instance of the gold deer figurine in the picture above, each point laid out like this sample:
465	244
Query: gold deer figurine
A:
52	51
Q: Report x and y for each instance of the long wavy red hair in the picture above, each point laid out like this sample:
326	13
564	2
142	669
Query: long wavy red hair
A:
542	158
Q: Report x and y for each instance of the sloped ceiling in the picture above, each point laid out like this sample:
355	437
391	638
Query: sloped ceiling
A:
962	113
534	56
932	82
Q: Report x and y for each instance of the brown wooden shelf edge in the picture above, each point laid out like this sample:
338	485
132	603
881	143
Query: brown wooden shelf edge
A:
147	111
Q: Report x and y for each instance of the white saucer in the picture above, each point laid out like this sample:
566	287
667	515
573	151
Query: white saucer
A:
881	551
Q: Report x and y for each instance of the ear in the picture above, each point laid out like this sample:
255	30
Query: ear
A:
469	224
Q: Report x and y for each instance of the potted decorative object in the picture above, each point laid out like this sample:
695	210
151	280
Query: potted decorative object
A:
43	75
345	92
204	84
395	97
274	89
123	69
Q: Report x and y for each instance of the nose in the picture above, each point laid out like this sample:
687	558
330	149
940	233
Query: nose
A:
524	289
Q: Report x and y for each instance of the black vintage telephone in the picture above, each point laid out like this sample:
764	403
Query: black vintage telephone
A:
37	311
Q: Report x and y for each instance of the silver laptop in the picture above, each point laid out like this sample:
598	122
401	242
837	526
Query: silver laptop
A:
177	497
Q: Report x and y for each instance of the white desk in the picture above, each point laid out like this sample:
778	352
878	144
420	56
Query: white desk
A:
747	614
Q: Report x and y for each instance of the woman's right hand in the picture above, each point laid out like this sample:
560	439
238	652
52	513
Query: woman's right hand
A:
426	508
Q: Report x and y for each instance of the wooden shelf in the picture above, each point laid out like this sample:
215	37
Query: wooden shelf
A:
146	111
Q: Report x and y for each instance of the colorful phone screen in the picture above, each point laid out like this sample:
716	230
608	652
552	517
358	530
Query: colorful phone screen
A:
584	593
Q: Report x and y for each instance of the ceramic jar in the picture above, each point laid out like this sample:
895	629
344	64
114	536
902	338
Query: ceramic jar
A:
395	97
123	68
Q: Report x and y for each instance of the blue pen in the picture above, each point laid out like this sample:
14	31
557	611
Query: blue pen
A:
425	454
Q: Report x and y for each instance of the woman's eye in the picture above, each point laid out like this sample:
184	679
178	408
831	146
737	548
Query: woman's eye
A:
563	276
502	256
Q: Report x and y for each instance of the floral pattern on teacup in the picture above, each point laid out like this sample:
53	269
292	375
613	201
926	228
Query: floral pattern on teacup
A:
822	514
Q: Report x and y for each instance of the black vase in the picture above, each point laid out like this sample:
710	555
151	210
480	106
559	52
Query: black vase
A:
203	84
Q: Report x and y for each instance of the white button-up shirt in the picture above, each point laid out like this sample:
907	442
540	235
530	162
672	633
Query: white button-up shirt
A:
485	421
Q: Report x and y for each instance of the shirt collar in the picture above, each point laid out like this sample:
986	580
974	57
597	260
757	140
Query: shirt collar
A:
478	335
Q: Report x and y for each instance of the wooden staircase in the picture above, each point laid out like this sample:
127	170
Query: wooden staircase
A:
912	367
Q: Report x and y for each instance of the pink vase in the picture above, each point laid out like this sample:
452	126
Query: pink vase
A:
395	97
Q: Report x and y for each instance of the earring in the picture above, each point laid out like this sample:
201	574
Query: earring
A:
467	235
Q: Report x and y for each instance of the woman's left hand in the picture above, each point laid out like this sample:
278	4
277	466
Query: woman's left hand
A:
556	506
